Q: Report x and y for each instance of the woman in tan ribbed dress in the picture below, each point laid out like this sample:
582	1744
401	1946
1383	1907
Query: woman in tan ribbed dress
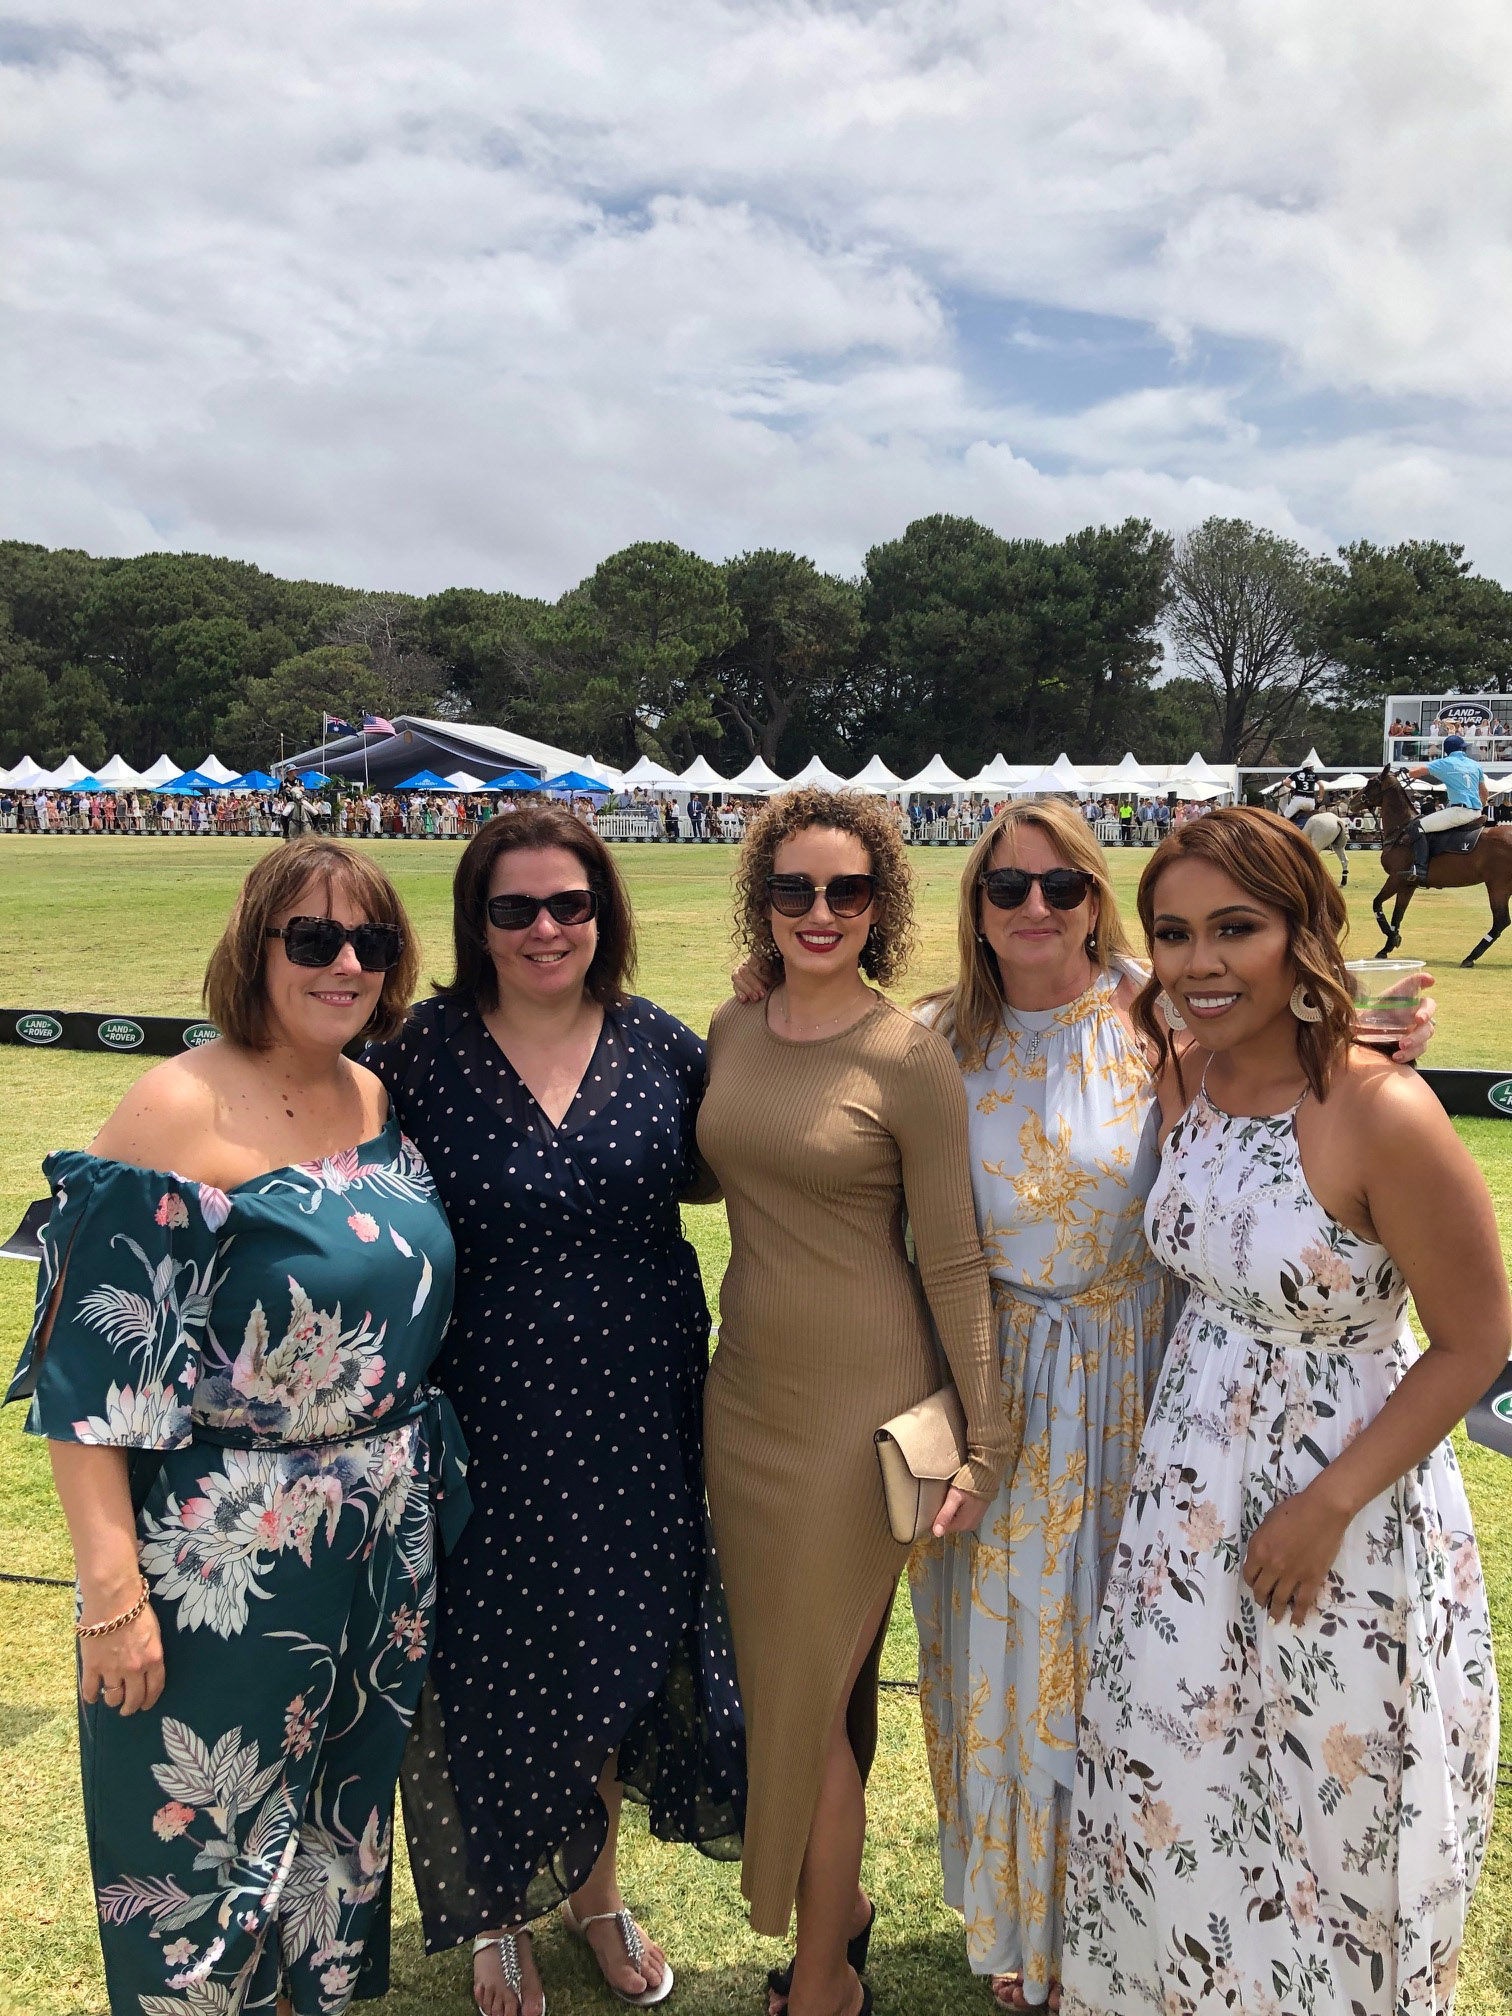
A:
830	1117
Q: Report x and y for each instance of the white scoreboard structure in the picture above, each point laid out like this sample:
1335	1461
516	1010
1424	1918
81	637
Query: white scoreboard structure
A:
1415	725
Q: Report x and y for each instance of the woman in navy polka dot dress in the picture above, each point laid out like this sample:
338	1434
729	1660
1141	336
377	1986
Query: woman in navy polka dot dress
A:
581	1648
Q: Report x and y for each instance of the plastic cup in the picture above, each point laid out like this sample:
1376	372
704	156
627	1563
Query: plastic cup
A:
1386	994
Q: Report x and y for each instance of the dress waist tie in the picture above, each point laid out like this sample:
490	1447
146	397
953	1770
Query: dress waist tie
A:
1051	1578
442	1449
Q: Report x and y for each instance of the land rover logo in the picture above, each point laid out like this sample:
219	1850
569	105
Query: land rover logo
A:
199	1032
38	1028
119	1034
1501	1406
1500	1095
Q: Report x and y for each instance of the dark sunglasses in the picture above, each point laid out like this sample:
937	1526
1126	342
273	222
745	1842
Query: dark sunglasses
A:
846	895
1062	888
518	913
317	941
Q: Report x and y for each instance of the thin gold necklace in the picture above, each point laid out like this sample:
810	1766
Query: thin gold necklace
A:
788	1020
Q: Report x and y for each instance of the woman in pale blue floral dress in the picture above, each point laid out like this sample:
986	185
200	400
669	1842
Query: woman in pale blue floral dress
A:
242	1290
1288	1747
1061	1100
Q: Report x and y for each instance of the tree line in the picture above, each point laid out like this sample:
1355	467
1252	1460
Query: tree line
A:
953	638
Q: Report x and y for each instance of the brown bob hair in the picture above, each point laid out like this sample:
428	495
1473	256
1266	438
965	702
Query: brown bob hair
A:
1276	865
235	991
613	966
971	1012
890	941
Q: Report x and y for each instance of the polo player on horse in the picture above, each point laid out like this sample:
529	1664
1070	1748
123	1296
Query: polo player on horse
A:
1303	791
1464	781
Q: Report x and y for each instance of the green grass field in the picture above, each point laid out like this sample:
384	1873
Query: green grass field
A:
126	925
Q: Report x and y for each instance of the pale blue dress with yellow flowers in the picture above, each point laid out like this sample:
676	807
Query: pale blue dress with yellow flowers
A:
1063	1131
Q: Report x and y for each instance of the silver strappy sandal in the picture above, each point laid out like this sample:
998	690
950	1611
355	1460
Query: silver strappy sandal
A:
635	1952
509	1964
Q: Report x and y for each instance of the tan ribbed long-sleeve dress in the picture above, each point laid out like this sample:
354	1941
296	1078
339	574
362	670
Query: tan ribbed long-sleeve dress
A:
822	1149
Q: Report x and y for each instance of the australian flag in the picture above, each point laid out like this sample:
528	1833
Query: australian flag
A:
331	724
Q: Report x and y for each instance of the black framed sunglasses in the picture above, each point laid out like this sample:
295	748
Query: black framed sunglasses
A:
1062	888
317	941
518	913
846	895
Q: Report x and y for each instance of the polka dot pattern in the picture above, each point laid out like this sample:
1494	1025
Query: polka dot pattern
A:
579	1614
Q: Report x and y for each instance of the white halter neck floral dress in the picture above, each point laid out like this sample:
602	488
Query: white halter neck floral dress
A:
1284	1820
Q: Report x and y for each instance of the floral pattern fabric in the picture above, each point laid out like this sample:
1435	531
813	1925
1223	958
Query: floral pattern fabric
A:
247	1350
1278	1819
1063	1136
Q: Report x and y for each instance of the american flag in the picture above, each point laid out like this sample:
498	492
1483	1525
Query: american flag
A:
374	724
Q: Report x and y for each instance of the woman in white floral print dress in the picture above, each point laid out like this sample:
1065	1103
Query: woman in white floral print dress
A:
230	1363
1288	1744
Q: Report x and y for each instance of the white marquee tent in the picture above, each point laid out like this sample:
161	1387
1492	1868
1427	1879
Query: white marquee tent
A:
646	775
162	772
758	775
118	775
876	778
700	775
936	780
815	772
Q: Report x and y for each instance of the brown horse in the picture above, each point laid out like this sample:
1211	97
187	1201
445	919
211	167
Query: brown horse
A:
1489	861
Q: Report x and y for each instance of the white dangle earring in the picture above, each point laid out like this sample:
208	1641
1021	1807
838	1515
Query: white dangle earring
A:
1170	1011
1303	1005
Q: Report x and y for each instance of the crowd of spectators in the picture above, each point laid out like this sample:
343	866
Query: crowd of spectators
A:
419	815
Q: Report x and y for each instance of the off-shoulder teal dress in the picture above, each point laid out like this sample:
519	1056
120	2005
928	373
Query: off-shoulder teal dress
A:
261	1354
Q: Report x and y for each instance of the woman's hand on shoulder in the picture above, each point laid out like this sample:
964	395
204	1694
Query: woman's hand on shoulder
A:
751	981
167	1109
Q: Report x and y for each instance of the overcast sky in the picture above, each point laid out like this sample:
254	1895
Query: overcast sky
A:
408	293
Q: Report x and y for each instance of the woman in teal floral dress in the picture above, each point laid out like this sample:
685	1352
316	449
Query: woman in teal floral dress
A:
1287	1753
243	1286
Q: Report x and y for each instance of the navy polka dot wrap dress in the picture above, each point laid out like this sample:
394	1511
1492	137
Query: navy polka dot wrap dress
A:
581	1612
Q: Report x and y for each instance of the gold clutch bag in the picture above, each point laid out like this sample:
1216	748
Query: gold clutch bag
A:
920	1451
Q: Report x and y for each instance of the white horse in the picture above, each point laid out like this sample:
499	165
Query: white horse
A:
1326	830
1330	835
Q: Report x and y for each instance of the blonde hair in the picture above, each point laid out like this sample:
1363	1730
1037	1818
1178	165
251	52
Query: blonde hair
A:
971	1012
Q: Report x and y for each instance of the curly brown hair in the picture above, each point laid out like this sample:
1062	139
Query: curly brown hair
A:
890	941
1275	864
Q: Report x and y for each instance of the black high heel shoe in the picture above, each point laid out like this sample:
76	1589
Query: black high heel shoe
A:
780	1979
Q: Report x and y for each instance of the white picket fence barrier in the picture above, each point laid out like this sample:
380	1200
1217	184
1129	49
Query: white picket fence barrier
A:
638	823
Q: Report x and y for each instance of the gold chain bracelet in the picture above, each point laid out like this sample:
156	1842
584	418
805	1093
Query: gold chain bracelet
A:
115	1623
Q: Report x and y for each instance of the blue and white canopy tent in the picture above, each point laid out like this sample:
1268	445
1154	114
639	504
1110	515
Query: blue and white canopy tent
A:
576	782
513	781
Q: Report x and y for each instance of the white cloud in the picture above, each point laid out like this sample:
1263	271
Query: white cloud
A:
416	293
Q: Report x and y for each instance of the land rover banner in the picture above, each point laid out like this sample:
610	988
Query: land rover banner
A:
126	1035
